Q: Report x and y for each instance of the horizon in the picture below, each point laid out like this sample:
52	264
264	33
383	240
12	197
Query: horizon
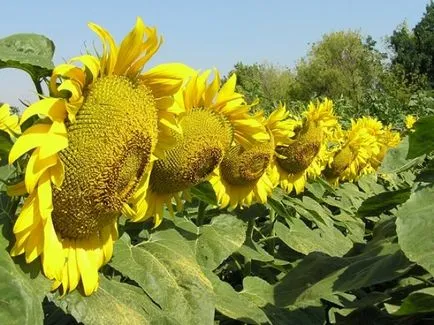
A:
229	33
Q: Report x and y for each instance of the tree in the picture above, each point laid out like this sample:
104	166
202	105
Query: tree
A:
266	82
341	64
414	49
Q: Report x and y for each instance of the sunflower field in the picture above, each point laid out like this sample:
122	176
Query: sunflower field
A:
135	195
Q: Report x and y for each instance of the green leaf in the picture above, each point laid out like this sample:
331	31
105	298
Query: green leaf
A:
427	173
218	240
5	144
261	293
375	205
415	227
166	269
396	160
319	276
254	251
113	303
421	301
30	52
301	238
421	141
205	192
235	305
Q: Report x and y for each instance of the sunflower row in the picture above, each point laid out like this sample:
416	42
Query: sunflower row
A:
112	139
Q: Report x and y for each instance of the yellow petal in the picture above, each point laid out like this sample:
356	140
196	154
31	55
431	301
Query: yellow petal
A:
87	268
54	108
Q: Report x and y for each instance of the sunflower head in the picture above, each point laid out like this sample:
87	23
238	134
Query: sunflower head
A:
91	152
351	159
214	116
199	150
245	166
306	155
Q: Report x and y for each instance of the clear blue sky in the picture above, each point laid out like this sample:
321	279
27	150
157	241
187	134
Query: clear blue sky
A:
202	34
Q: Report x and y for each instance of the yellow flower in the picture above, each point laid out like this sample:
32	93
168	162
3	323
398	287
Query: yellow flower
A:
8	121
90	153
215	115
306	156
409	121
351	158
245	175
386	140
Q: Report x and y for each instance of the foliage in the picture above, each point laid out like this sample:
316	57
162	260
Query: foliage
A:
413	49
341	64
268	83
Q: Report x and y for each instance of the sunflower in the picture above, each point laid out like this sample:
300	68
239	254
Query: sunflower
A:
215	116
306	156
409	121
351	158
9	122
386	140
245	175
90	152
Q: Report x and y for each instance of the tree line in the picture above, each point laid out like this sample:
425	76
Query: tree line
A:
349	68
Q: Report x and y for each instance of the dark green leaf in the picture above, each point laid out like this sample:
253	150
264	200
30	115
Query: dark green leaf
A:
205	192
421	301
422	139
375	205
319	276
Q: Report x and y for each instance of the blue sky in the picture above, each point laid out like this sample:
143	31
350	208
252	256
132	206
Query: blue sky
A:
202	34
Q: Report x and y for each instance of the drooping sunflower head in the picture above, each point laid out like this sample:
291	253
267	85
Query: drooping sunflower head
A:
9	122
246	174
307	155
351	159
91	152
215	116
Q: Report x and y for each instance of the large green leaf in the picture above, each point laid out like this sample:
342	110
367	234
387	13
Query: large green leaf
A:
301	238
113	303
218	240
415	227
214	242
422	139
319	276
235	305
30	52
166	269
396	160
261	293
421	301
375	205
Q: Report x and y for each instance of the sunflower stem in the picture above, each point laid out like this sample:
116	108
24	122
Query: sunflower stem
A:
38	87
249	236
272	242
201	213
